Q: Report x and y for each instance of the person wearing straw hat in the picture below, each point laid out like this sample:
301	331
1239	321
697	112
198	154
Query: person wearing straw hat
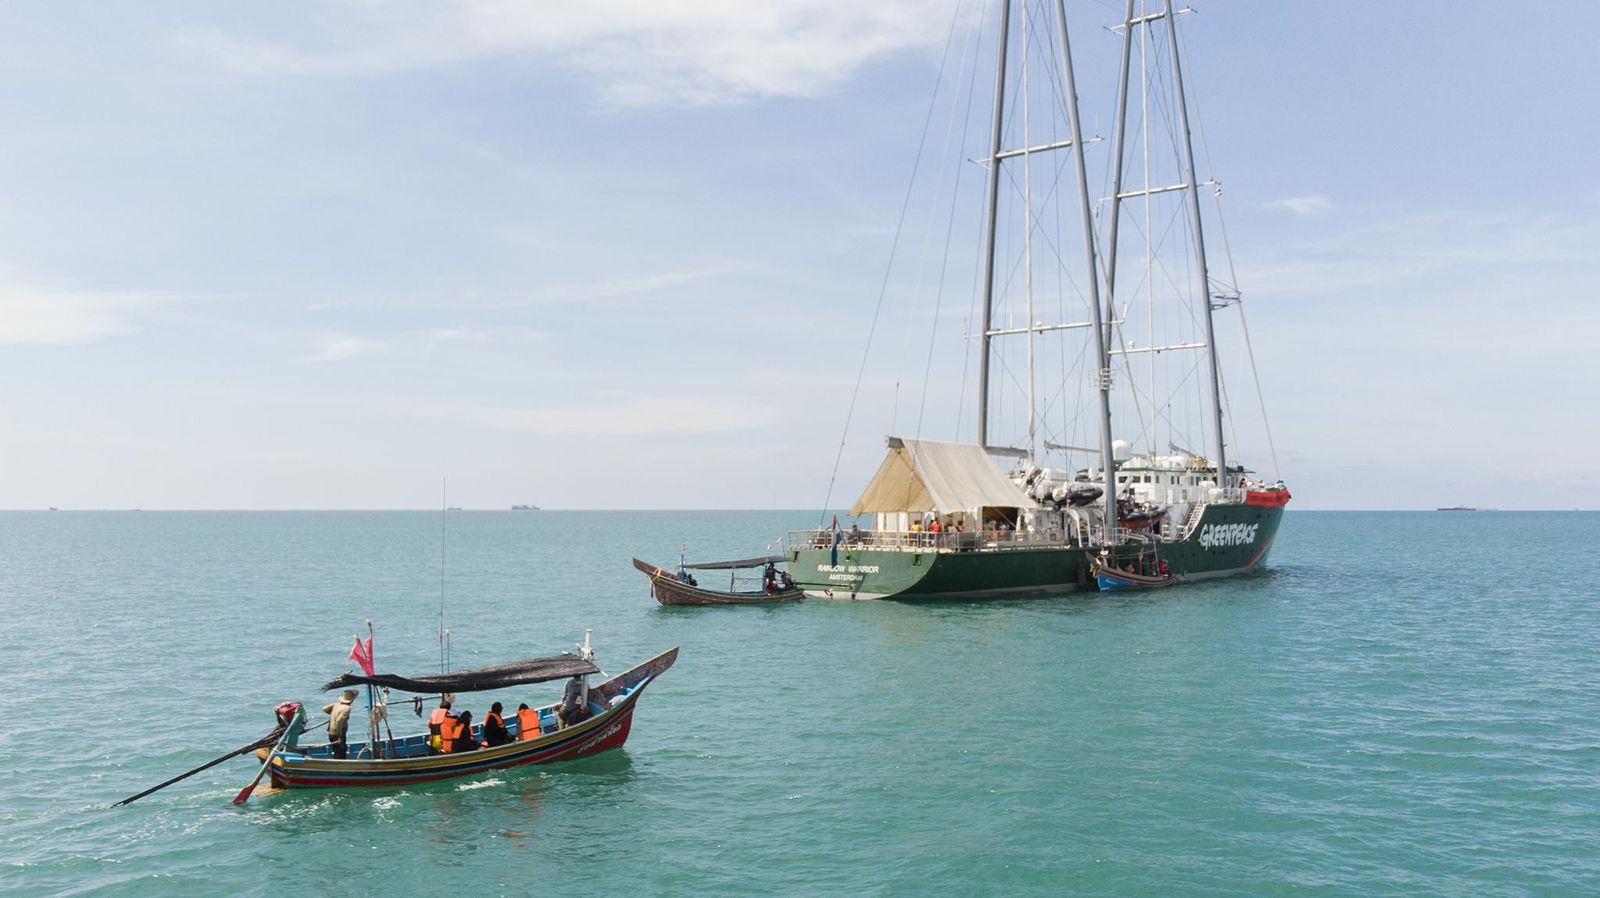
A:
338	722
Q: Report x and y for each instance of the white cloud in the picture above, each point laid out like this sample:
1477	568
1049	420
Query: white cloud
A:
338	349
623	416
1457	249
1304	206
455	335
31	313
546	294
641	51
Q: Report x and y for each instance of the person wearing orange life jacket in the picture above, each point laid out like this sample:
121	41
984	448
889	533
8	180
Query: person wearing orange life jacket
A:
457	734
436	723
494	727
527	723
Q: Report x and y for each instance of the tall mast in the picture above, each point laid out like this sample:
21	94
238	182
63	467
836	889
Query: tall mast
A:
1102	359
991	209
1193	194
1027	228
1113	229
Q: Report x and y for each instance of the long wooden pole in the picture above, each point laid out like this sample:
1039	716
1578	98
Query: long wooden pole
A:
259	743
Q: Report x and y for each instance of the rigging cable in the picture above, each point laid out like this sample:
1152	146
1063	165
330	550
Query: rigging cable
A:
894	246
1233	275
972	41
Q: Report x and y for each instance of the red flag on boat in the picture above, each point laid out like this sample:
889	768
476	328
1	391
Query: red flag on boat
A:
362	654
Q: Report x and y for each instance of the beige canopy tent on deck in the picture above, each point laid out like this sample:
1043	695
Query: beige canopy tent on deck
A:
930	475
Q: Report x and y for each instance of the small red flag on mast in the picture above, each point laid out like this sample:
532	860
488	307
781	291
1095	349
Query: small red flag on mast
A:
362	655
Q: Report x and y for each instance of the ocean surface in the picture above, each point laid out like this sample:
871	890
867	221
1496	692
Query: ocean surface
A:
1404	704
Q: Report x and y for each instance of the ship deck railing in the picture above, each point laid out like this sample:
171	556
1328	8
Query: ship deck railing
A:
924	541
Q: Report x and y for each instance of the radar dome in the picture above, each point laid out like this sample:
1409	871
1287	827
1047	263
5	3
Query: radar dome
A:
1120	450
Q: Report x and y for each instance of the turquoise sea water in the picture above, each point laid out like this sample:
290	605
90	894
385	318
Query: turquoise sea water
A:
1405	704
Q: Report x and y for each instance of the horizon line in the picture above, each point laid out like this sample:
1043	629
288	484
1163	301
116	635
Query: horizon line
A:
508	509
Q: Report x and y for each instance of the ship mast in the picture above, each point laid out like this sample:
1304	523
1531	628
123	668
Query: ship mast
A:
1102	374
1203	276
1102	378
1191	189
990	213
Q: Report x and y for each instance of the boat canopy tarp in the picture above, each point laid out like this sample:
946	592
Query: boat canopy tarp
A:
930	475
737	565
516	673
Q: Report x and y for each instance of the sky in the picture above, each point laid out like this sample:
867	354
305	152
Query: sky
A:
628	254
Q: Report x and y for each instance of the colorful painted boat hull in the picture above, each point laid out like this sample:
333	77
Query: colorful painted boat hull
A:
604	731
1111	578
669	590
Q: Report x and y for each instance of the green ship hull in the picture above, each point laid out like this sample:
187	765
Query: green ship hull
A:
1227	540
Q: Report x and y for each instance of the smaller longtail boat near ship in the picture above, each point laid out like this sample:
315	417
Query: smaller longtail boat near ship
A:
1109	576
681	588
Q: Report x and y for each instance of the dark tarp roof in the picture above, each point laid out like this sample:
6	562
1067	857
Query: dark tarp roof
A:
733	565
531	670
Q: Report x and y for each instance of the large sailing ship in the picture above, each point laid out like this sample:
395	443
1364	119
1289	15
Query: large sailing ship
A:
998	517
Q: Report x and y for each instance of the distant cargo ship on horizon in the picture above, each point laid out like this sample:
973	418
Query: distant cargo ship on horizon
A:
524	508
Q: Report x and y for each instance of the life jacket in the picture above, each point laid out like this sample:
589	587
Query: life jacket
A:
434	731
527	724
450	732
495	719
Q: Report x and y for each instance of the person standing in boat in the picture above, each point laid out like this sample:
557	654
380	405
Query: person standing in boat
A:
572	709
339	723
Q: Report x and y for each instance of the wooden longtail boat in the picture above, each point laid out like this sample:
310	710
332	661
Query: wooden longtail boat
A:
669	589
408	760
1112	578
